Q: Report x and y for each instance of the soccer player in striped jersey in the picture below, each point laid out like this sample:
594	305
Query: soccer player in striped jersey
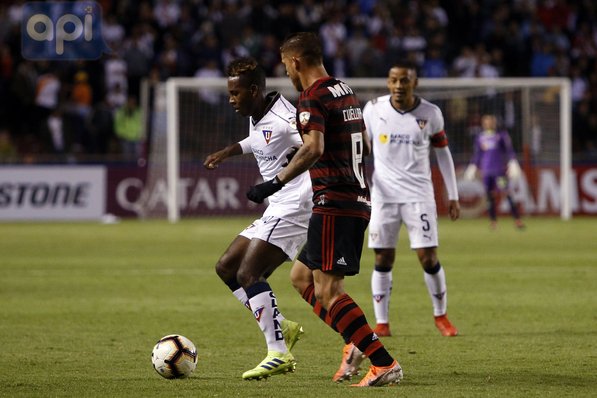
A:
282	230
403	127
334	143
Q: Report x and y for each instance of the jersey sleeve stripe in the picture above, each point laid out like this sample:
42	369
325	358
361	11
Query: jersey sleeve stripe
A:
439	140
327	244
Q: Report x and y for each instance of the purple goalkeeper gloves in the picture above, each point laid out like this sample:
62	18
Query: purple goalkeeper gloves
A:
257	193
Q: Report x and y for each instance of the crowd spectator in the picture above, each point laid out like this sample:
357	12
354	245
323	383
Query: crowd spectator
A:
128	126
362	38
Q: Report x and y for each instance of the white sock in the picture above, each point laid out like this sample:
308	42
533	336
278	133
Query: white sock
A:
241	296
381	288
436	286
265	309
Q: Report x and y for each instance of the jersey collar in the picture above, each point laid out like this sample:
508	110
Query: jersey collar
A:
270	99
412	108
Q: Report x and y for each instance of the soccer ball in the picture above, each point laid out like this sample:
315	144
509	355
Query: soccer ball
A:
174	357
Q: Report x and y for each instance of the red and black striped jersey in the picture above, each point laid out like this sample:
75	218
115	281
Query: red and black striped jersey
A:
338	177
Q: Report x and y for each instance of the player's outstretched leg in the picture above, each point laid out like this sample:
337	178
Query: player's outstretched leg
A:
274	363
378	376
351	363
292	332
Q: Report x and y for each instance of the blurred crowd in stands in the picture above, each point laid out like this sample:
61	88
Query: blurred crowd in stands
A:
90	109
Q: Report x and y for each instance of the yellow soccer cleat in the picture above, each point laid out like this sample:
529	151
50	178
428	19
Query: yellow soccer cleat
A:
273	364
292	332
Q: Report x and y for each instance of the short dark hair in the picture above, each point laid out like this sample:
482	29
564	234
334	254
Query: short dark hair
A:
406	64
306	45
249	70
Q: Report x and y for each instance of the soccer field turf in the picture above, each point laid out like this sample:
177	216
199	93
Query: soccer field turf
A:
82	304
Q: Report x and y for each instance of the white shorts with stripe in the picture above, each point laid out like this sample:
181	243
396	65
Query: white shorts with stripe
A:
386	218
288	236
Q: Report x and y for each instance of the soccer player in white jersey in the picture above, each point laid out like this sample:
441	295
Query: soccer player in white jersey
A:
403	127
282	230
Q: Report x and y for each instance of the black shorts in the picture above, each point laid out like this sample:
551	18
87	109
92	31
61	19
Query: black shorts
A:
334	244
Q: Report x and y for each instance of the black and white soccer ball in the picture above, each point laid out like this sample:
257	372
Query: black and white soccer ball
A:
174	357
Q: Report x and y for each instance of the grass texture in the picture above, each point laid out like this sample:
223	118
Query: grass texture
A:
82	304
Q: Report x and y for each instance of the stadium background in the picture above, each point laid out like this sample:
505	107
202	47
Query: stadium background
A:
156	40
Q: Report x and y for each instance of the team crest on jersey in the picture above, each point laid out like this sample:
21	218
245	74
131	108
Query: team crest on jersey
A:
267	134
304	117
383	138
422	123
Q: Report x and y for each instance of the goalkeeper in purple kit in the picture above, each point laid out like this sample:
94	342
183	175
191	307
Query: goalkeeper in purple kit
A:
494	157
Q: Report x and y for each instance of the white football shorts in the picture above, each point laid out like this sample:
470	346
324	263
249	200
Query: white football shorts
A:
386	218
288	236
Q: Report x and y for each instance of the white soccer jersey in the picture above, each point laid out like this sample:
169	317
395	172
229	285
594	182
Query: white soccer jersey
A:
270	140
401	142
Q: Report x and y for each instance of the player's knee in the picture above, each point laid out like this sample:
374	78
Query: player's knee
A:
246	277
428	259
299	285
300	281
384	259
300	277
223	271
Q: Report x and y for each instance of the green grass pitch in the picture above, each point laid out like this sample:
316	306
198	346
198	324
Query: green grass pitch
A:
82	304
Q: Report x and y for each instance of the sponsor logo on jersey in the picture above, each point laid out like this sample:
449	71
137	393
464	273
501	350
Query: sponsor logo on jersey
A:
321	200
378	297
422	123
383	138
487	144
363	199
259	155
304	117
267	134
341	261
403	139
